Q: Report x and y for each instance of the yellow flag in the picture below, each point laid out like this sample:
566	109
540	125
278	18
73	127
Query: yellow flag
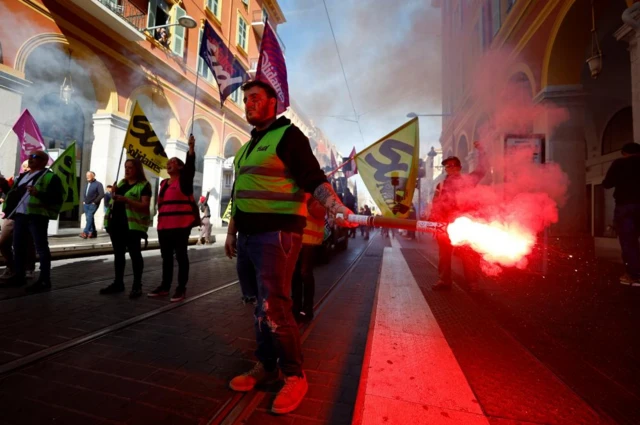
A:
142	143
389	169
226	217
65	168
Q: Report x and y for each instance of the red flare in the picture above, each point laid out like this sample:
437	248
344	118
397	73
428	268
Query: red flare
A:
504	244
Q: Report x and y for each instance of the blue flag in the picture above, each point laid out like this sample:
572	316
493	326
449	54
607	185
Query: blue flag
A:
229	73
272	68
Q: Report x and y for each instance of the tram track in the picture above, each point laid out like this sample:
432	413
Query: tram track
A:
238	406
98	280
237	409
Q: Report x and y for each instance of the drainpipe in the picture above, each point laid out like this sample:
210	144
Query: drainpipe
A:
627	15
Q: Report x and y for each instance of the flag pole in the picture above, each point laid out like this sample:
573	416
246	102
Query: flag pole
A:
341	165
5	138
195	97
119	164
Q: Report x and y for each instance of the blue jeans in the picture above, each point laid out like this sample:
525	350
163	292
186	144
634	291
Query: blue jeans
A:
89	212
627	220
265	267
37	225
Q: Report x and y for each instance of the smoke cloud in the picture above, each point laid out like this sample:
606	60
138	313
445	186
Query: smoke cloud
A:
518	194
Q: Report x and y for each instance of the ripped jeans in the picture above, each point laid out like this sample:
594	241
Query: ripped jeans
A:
266	262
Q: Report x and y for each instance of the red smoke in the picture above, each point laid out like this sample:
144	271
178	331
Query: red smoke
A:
517	194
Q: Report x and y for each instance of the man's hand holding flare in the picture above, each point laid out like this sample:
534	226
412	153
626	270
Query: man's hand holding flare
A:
328	197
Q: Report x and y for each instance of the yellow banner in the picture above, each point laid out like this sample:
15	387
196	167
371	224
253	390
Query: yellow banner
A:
226	217
65	168
389	169
142	143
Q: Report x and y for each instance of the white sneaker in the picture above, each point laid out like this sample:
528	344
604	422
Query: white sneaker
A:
291	395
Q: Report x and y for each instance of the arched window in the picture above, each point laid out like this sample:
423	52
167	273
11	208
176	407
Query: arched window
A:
463	152
619	131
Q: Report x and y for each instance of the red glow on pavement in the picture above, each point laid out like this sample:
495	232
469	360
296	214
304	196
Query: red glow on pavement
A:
507	245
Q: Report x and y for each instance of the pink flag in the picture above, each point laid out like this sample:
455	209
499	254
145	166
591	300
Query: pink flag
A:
272	68
29	136
351	169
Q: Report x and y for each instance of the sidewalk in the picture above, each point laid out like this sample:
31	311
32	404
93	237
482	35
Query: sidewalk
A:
67	244
579	322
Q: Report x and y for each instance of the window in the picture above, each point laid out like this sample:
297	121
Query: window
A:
235	96
203	69
265	14
484	39
214	7
495	17
242	33
246	3
228	177
510	4
619	131
179	32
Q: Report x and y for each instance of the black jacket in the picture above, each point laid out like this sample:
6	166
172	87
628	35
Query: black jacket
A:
624	176
295	152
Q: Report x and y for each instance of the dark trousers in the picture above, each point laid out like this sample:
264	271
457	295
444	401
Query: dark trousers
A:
265	267
123	241
445	253
6	247
25	228
89	212
174	241
627	220
303	285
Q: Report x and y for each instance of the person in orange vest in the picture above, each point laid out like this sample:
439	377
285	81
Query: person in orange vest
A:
177	214
303	285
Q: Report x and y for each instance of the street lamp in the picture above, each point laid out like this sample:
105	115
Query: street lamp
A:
184	21
414	115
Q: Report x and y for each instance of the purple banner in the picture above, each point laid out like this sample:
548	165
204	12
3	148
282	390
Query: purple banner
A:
272	68
229	73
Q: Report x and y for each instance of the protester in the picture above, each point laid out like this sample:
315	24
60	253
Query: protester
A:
35	198
350	202
445	209
205	221
92	197
273	170
366	229
303	285
624	177
107	197
177	214
127	221
6	235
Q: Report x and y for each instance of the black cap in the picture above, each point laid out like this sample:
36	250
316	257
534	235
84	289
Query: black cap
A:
452	158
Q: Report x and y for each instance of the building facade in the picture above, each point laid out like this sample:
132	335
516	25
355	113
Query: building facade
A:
101	55
578	55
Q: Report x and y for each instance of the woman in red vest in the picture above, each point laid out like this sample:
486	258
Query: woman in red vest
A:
177	214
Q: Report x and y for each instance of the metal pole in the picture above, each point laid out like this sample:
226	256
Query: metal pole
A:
193	111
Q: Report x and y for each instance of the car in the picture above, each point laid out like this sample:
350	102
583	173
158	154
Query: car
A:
336	238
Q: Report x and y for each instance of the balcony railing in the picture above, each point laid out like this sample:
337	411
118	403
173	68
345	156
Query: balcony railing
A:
258	21
127	11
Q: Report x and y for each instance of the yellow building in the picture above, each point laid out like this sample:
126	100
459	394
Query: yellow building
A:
80	65
543	47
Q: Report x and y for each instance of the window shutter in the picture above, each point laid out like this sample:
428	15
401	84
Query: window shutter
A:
151	15
177	38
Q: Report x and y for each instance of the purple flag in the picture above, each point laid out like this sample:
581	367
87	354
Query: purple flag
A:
229	73
351	169
29	136
271	67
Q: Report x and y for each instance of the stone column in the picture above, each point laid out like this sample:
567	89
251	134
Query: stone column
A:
109	131
566	146
631	36
176	148
212	183
12	87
